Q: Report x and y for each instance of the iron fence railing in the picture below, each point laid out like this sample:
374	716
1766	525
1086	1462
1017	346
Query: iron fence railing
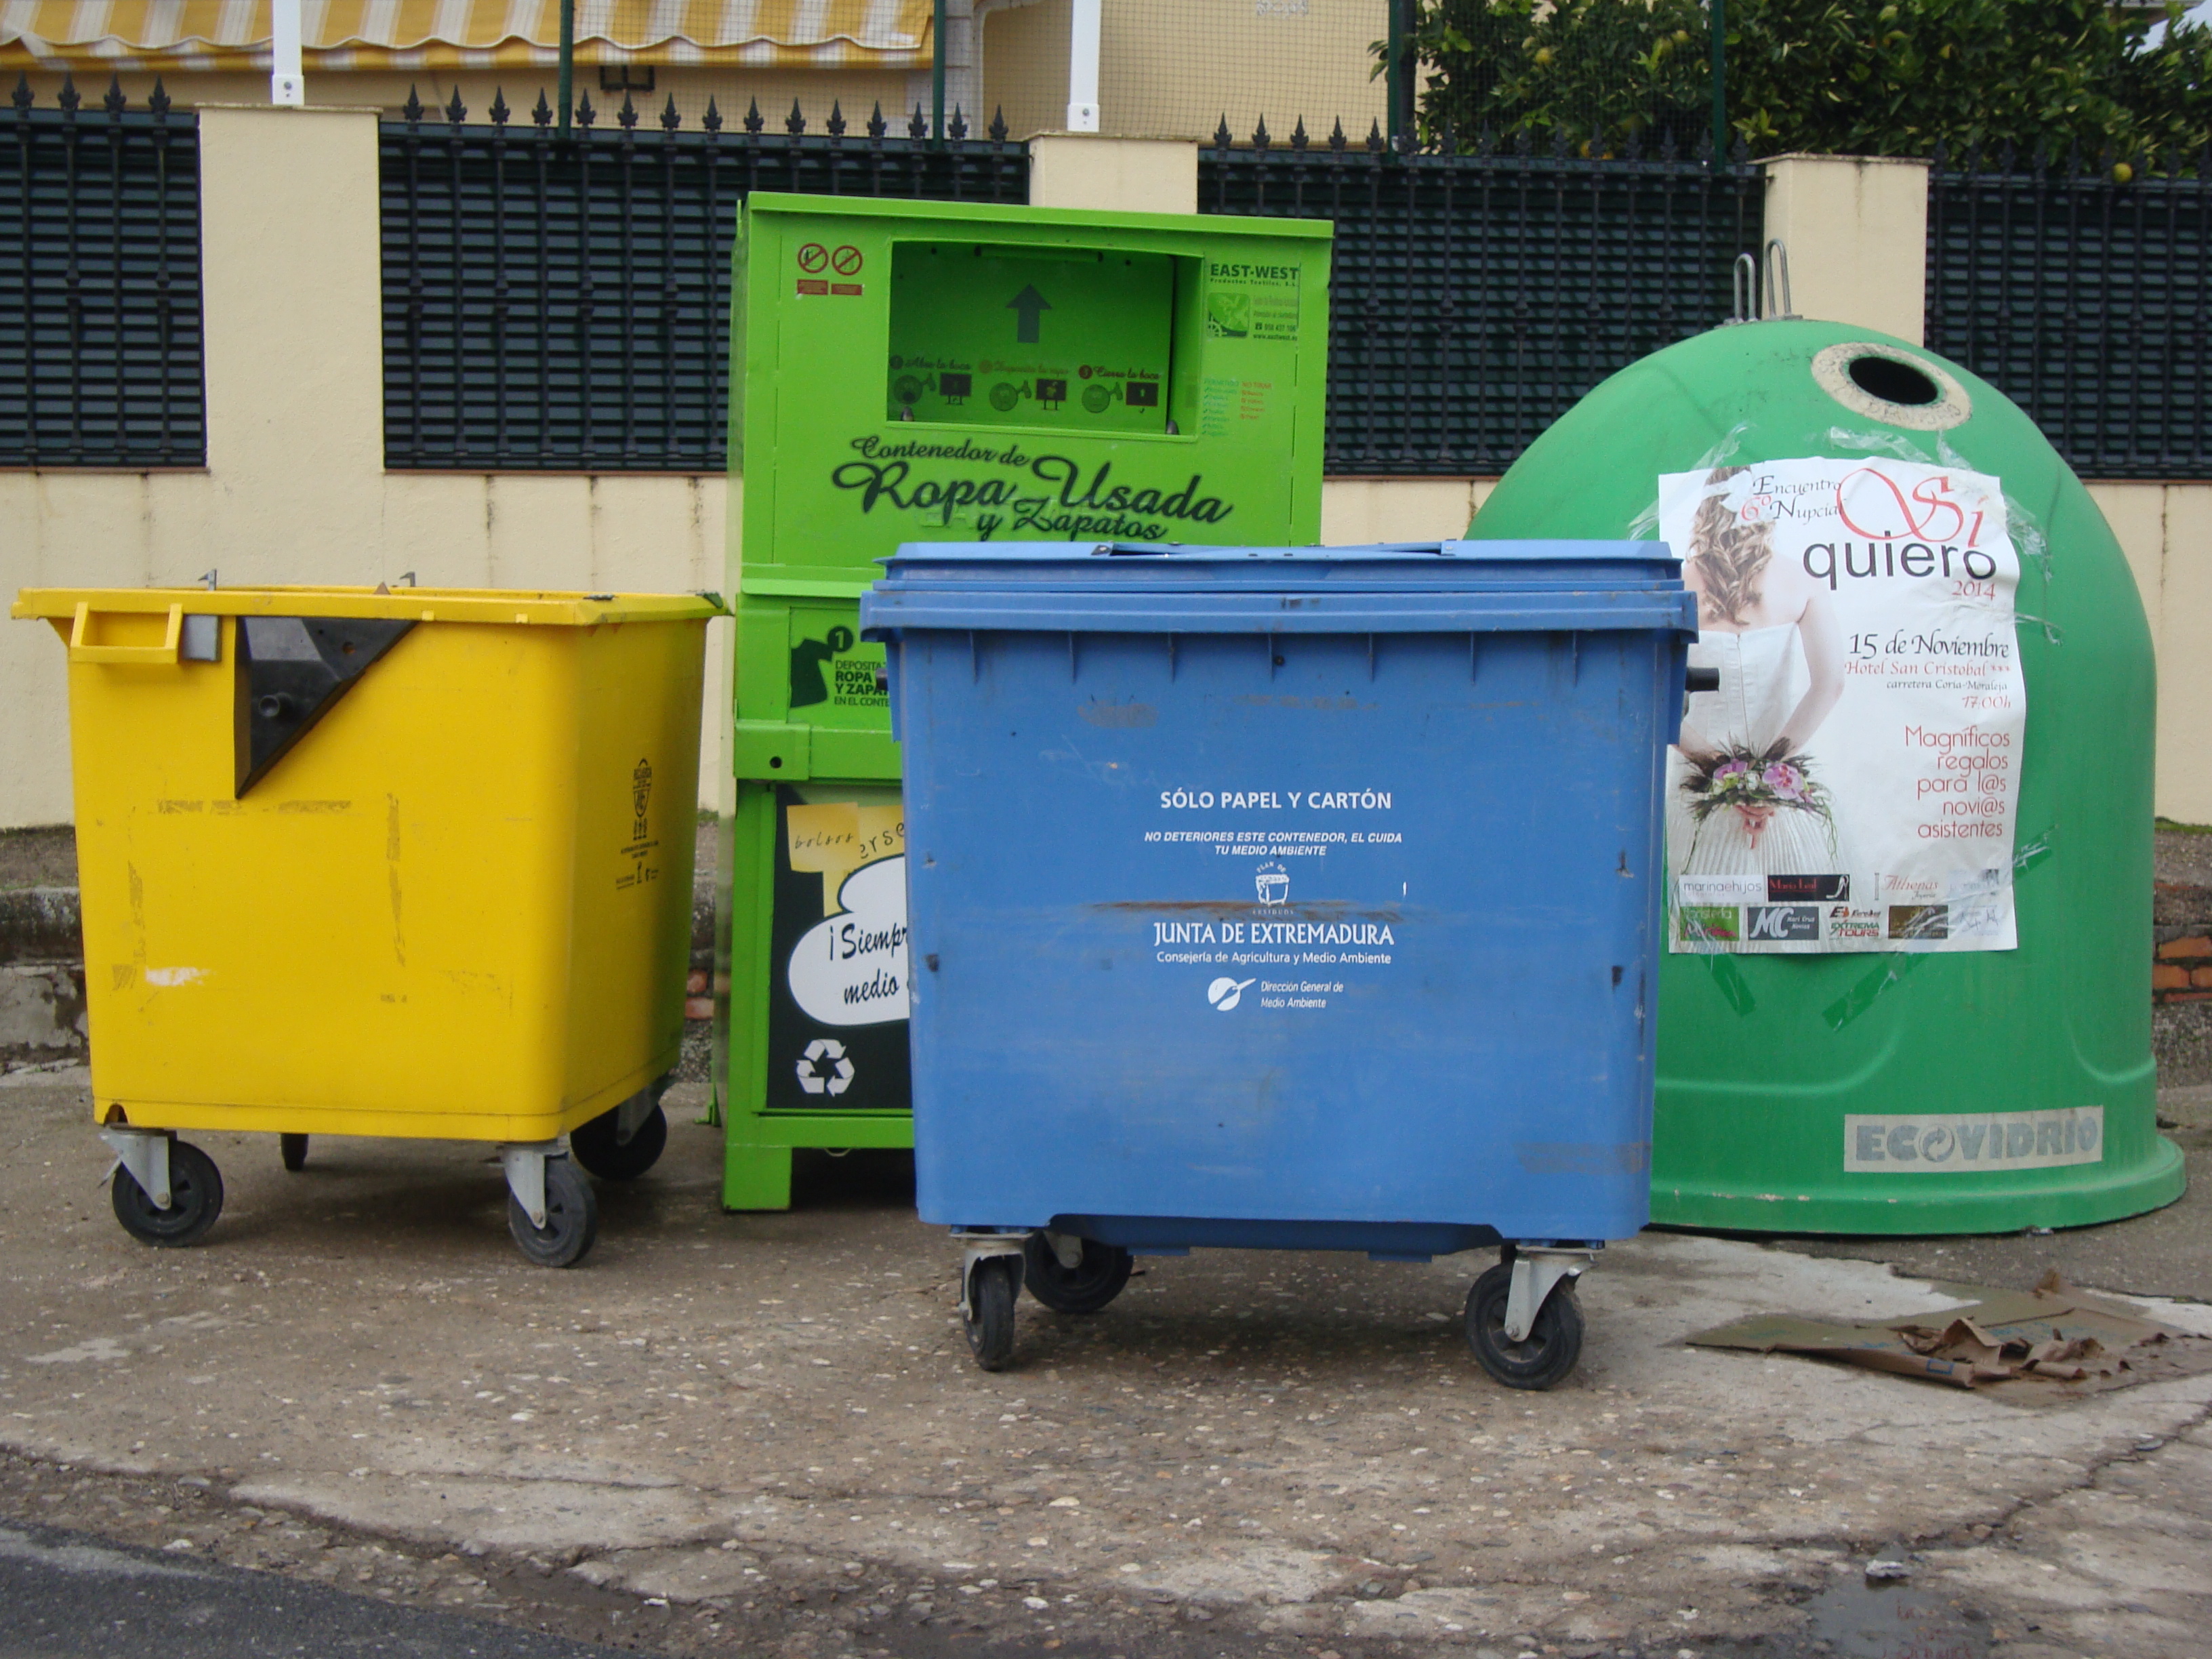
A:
101	346
2085	296
1477	295
564	304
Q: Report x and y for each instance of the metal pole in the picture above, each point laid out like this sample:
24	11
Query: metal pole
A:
1083	66
936	72
1394	69
567	62
286	86
1720	81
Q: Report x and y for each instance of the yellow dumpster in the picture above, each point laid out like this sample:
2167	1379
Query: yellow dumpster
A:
353	861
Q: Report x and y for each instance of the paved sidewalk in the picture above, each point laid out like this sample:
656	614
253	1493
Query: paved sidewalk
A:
771	1426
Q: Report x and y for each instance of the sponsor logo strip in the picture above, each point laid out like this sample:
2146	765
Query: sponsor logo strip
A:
1946	1143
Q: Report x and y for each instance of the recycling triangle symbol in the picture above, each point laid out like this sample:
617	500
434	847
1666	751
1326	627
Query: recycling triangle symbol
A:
823	1069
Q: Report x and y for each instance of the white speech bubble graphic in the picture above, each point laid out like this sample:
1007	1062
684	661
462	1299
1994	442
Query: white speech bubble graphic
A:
851	970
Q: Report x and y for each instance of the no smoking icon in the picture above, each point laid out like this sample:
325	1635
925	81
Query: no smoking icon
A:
845	260
813	257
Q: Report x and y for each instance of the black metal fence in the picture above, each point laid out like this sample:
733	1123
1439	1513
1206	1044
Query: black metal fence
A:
564	304
2084	297
100	284
1476	296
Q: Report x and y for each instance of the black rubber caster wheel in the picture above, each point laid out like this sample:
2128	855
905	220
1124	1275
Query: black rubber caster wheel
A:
992	1288
594	1146
1089	1285
195	1200
295	1148
1549	1352
572	1218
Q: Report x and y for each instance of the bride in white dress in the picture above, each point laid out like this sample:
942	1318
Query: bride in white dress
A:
1771	631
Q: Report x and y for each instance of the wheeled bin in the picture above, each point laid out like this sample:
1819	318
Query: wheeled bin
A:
1301	898
383	863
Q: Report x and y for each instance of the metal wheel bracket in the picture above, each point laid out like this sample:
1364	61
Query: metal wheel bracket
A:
978	1247
1536	1274
630	1115
145	1154
1066	1249
525	1163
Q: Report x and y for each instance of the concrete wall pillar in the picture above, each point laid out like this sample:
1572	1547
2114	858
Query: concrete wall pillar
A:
1856	230
1118	175
293	317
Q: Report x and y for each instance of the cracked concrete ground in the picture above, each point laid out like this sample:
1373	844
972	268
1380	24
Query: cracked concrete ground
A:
764	1434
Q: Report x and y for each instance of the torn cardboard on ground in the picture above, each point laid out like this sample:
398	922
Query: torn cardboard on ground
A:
2053	1332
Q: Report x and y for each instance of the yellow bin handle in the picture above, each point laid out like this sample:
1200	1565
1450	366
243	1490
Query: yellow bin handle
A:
164	654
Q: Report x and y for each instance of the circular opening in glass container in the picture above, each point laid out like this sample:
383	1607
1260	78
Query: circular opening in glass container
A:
1893	381
1892	384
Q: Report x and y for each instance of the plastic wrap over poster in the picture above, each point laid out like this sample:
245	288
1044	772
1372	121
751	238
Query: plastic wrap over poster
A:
1852	785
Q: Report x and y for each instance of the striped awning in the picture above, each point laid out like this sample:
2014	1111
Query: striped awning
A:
171	35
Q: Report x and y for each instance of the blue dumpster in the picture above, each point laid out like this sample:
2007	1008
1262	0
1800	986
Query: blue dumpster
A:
1297	898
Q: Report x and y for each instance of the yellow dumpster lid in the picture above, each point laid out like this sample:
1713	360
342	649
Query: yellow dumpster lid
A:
445	604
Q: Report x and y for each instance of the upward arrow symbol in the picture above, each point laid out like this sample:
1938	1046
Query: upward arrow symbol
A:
1031	305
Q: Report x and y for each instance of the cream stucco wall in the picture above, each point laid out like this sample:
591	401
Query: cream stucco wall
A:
2166	529
1354	511
294	489
2184	611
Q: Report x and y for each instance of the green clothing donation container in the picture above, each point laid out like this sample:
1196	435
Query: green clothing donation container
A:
1909	822
915	371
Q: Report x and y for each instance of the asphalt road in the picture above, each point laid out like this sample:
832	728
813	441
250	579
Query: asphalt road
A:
66	1596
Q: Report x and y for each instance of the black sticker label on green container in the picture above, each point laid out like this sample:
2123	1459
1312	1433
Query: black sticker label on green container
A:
838	950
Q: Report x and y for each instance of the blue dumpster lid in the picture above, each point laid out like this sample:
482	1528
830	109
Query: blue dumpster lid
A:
1382	567
1386	588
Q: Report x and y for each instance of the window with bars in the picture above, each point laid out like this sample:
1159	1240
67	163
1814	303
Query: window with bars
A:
563	303
100	343
1477	294
2085	298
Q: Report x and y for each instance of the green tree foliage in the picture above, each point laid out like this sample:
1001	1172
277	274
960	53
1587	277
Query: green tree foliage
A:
1862	78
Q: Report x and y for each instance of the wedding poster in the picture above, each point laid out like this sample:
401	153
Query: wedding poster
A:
1853	784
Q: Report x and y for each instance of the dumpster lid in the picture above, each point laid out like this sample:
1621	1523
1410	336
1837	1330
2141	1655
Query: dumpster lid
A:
1388	588
1089	222
456	604
1380	566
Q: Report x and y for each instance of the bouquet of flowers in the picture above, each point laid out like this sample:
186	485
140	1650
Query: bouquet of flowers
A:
1755	787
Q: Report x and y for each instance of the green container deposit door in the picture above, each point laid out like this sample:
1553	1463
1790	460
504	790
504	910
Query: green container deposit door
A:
1095	357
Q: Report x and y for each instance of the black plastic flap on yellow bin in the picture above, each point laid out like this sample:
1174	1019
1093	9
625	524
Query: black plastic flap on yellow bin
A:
291	672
